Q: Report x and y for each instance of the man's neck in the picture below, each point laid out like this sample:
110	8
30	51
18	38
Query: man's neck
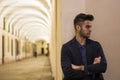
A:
81	40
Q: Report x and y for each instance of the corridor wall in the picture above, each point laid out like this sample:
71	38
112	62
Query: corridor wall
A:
13	48
0	46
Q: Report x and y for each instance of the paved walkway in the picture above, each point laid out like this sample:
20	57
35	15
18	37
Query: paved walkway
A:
28	69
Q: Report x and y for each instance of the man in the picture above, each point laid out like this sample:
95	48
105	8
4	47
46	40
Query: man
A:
83	58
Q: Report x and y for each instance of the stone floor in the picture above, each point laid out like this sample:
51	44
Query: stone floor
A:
27	69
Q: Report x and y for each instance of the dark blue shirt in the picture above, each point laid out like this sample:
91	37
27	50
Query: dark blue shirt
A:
84	59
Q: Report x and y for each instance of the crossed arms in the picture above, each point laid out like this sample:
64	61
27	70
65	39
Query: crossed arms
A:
73	71
97	60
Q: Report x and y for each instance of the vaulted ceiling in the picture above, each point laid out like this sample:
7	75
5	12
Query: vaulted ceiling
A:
29	19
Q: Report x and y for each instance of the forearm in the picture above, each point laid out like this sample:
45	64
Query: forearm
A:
81	68
93	68
97	68
76	67
72	73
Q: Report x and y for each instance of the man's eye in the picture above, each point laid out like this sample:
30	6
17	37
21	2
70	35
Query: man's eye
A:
88	26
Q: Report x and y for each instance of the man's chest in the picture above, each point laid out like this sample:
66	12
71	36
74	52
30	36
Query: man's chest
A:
77	55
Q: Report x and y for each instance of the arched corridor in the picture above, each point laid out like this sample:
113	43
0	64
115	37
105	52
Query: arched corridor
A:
27	35
22	23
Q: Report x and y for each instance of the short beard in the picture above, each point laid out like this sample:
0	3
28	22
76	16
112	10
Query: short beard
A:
82	34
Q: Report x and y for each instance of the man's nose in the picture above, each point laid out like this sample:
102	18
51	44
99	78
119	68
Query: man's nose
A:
90	30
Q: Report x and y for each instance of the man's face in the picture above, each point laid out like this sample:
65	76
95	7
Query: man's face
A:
85	29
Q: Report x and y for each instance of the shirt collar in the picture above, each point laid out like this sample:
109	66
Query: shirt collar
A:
79	43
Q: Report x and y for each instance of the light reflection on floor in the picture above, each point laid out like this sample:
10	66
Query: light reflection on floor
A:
28	69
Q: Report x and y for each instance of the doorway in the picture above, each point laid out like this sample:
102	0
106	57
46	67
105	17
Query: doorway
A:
42	49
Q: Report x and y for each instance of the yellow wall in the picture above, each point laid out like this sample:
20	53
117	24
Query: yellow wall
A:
45	47
7	54
0	46
55	44
40	45
59	39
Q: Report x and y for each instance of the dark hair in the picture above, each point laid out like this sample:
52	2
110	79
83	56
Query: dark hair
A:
82	17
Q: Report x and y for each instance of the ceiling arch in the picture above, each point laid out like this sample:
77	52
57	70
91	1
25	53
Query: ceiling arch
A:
33	15
21	32
12	5
30	31
17	17
27	11
29	34
30	24
28	18
36	37
20	25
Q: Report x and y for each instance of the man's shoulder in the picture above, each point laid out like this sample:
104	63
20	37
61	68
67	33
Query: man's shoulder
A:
93	42
69	43
72	42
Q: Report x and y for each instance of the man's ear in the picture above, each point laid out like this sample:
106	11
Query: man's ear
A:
78	27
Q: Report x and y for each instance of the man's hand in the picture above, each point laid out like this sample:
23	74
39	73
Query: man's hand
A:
76	67
97	60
